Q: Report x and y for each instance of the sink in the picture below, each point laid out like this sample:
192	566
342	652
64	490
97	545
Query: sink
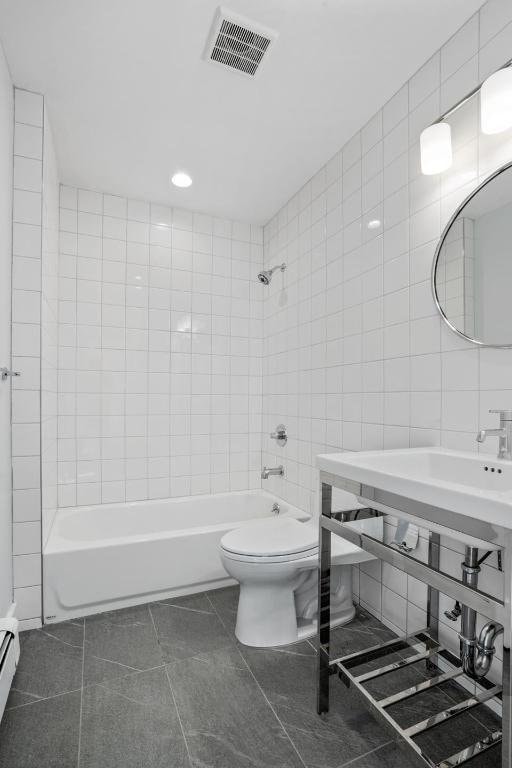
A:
465	483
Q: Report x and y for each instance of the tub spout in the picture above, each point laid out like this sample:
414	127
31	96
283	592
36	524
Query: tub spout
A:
267	471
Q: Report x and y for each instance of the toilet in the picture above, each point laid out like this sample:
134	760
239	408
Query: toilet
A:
275	562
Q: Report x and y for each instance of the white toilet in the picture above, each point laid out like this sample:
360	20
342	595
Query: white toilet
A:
276	563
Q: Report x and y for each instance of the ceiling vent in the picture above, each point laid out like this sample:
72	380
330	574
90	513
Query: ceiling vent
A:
237	42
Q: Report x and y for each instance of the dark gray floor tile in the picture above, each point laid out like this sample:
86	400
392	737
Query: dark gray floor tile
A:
364	631
41	735
184	633
487	717
227	720
132	723
51	662
391	755
448	738
289	682
197	602
223	690
225	602
119	642
399	680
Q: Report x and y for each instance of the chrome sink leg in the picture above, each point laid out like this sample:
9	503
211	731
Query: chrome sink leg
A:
506	744
433	595
324	603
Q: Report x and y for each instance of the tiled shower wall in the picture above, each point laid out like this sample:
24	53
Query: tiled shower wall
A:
355	354
35	227
160	349
49	332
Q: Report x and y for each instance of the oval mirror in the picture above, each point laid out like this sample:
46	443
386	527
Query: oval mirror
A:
472	272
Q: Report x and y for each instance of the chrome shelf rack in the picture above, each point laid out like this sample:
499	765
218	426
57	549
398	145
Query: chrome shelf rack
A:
425	649
415	653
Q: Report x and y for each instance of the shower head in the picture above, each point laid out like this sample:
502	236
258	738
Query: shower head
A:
265	276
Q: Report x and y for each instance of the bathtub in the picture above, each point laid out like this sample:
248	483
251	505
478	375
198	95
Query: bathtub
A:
114	555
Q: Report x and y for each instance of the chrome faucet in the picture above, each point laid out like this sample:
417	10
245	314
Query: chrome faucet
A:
504	432
267	471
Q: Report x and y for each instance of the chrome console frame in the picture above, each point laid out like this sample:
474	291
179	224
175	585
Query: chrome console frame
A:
437	581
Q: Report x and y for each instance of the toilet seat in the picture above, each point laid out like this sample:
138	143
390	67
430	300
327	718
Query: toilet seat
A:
271	541
286	540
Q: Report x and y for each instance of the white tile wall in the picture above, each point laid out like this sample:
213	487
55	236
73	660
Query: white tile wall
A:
160	344
35	237
26	303
49	332
355	354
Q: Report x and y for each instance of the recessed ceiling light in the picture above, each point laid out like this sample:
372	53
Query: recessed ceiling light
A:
374	224
181	179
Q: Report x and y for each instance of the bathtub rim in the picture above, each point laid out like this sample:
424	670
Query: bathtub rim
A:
56	543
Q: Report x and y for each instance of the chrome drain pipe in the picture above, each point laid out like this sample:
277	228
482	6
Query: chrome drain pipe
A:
476	653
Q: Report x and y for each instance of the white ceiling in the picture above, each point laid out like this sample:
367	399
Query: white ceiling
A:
131	100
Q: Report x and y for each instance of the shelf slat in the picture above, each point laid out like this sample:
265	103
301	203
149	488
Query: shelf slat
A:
397	665
419	687
447	714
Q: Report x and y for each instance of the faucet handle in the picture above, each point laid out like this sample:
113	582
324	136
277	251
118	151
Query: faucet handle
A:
280	435
505	414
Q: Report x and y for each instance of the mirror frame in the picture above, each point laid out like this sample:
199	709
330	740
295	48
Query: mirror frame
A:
437	254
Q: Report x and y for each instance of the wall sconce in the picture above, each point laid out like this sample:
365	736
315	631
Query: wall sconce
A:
495	117
436	148
496	102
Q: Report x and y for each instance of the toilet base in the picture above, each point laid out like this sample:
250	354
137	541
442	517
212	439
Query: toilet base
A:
307	629
274	612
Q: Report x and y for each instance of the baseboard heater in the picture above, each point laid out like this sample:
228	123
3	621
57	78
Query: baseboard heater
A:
9	655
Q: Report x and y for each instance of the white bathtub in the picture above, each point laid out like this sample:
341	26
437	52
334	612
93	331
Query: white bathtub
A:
114	555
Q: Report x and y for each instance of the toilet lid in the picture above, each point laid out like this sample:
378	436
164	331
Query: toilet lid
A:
271	538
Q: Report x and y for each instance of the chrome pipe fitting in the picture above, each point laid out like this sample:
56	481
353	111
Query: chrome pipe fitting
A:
476	653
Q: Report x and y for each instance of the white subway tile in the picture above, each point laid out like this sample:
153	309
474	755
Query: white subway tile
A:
27	174
26	472
28	107
26	570
26	207
28	604
26	538
460	48
28	141
424	82
494	15
27	505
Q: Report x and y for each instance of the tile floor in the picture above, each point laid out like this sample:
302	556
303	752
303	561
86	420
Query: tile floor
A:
166	685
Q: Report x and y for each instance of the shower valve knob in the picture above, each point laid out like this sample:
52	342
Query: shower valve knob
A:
5	373
280	435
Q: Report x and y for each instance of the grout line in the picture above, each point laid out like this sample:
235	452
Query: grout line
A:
366	754
122	677
81	698
171	690
259	686
39	699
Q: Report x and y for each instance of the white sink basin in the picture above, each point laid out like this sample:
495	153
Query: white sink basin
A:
465	483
